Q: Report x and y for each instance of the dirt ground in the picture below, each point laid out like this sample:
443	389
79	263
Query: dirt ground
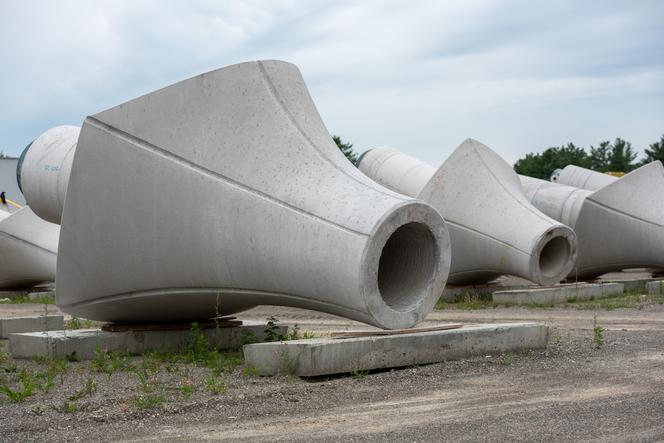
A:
569	391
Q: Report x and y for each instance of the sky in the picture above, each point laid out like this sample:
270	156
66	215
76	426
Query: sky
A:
420	76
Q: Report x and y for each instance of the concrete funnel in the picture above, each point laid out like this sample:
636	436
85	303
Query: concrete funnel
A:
43	171
493	228
226	191
618	227
582	178
28	249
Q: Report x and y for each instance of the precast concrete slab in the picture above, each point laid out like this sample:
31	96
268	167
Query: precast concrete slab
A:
559	294
85	342
631	284
655	287
494	230
11	325
326	356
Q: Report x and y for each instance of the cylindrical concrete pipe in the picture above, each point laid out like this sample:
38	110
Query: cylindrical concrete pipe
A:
493	228
226	191
618	227
582	178
28	249
43	171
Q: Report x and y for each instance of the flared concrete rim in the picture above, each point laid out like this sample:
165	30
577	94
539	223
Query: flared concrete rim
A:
554	255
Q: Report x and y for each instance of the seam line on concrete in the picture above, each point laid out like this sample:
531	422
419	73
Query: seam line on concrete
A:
482	234
280	101
149	147
619	212
20	240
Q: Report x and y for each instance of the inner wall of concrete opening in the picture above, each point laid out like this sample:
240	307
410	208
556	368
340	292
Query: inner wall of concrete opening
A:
554	256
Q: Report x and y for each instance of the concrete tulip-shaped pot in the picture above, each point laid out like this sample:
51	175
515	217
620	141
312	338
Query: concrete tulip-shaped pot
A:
493	228
226	191
28	249
619	226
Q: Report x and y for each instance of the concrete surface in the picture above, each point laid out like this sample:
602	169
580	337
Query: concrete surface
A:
582	178
10	325
618	227
655	287
44	169
315	357
226	191
558	294
29	248
85	342
494	230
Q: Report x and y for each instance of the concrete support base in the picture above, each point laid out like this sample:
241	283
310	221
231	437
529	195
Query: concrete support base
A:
84	342
33	323
631	284
558	294
327	356
655	287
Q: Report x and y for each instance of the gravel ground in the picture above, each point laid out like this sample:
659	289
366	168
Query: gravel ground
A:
569	391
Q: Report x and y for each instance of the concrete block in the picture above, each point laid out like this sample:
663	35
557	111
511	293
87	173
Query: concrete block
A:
655	287
327	356
559	294
30	324
631	284
84	342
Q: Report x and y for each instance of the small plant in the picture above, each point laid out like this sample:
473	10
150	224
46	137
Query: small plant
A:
89	388
110	362
29	388
78	323
293	333
358	373
272	330
187	390
599	333
72	357
215	385
505	359
250	371
69	407
149	401
197	348
287	365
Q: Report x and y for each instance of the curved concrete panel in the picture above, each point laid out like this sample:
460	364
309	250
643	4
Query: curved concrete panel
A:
44	168
228	188
618	227
582	178
28	249
493	228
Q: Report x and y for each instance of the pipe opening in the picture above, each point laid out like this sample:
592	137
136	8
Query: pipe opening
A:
554	257
406	266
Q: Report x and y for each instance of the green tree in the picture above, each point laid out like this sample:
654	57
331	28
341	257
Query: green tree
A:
622	156
656	152
346	148
542	165
599	156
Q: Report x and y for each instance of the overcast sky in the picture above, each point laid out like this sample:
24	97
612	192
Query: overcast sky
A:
520	76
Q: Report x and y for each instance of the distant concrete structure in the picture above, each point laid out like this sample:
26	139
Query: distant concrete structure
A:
493	228
582	178
28	249
226	191
8	183
620	226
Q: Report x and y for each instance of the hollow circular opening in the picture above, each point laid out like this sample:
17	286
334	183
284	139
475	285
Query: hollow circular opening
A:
554	256
406	266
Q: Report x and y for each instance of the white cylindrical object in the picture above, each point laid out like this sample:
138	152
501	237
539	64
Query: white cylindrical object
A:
583	178
43	171
494	230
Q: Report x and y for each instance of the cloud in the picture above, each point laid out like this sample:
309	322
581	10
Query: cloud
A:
421	76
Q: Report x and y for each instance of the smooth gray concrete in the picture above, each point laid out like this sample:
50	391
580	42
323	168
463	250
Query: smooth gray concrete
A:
44	171
558	294
328	356
618	227
655	287
28	249
631	284
33	323
582	178
226	191
493	228
85	342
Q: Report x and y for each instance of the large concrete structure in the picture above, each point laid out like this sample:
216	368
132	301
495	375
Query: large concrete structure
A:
226	191
28	249
582	178
493	228
619	226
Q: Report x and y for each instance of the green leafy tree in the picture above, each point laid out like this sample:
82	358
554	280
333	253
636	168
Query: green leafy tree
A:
599	156
656	152
542	165
346	148
622	156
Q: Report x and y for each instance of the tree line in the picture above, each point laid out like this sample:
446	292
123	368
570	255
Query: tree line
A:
616	156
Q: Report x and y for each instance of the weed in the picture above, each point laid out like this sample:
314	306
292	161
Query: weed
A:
248	337
110	362
187	390
272	330
215	385
287	365
250	371
149	401
358	373
468	301
69	407
505	359
599	333
23	299
78	323
72	357
89	388
29	388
